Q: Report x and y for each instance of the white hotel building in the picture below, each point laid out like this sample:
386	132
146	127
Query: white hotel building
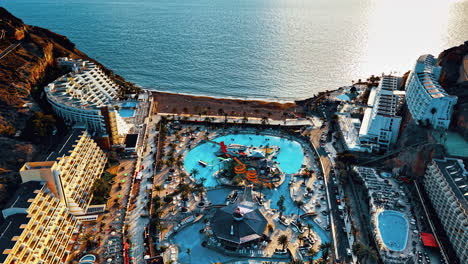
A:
381	125
71	172
86	95
426	99
446	184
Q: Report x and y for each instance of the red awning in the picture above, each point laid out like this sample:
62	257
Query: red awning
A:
429	240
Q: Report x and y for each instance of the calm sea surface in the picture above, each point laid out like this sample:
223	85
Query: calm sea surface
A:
279	49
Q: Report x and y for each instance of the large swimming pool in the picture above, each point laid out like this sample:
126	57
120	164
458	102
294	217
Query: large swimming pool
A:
393	229
290	157
190	238
290	160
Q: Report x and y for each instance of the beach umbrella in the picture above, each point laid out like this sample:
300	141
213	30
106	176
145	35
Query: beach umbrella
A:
120	196
123	181
125	174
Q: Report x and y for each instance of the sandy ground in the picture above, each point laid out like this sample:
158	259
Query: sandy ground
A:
178	103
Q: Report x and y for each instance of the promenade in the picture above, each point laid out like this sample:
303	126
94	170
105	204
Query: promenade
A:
243	120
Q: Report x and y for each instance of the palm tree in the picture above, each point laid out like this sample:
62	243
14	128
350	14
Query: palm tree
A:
365	253
202	180
194	172
299	203
283	241
325	250
280	204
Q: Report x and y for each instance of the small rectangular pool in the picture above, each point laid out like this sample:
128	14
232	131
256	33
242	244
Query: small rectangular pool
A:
125	112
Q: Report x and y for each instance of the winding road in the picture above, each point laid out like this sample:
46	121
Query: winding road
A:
10	48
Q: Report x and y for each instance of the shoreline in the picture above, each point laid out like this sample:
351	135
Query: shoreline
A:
228	97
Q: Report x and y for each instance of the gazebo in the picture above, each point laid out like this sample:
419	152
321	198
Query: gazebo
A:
239	225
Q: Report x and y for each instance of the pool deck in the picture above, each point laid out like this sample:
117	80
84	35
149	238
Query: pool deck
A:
390	185
172	217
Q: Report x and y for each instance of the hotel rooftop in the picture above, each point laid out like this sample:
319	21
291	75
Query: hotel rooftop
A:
85	87
426	65
456	176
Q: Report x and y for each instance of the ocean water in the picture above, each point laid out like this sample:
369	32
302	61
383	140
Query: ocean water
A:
277	49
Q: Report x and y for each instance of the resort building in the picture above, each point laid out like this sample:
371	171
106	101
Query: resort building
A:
390	216
426	99
38	227
349	127
86	95
71	172
381	124
446	184
239	224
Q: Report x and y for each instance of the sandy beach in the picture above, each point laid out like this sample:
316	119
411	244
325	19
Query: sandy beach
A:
190	104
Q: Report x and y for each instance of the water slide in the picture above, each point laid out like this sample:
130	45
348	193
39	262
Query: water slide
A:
251	174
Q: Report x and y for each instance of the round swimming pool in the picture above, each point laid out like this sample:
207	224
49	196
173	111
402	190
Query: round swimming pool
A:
289	158
393	228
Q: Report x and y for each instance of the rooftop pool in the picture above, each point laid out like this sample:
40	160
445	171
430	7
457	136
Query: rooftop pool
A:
126	112
290	157
393	229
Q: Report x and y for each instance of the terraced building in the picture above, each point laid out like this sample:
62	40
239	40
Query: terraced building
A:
38	227
427	101
86	95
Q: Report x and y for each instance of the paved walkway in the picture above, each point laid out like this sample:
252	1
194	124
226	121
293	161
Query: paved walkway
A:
241	120
138	217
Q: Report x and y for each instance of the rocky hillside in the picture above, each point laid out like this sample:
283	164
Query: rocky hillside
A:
30	63
451	61
27	63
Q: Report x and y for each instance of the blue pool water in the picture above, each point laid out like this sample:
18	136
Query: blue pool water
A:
393	228
218	196
190	237
124	112
344	97
289	159
88	257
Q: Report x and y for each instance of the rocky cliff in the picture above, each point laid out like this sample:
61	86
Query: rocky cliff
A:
454	62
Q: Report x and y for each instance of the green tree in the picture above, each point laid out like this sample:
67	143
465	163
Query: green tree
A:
299	203
280	204
364	253
283	240
194	172
325	247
